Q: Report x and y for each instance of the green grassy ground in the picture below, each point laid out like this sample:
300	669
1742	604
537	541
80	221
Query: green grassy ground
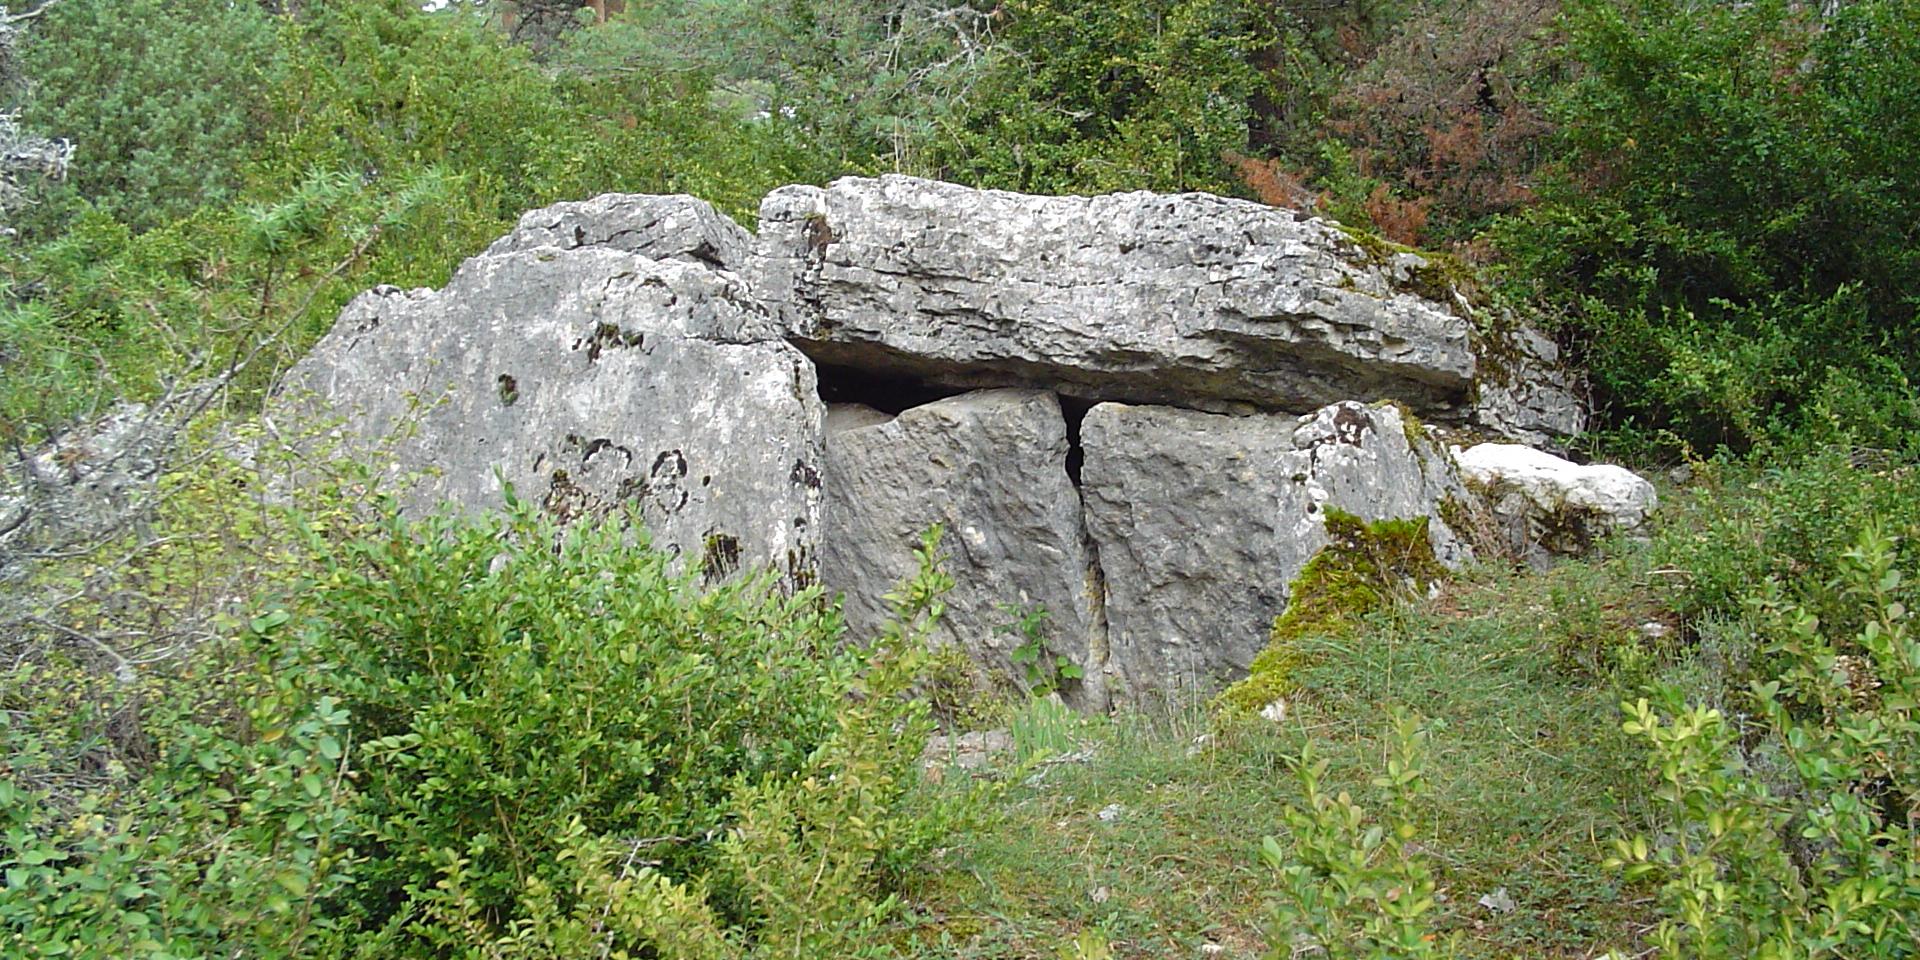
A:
1519	676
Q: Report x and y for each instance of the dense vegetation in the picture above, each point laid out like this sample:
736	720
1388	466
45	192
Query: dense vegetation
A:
307	729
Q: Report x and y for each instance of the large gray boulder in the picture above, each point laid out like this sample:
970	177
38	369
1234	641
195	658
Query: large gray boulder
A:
1201	523
991	468
657	227
1190	299
588	379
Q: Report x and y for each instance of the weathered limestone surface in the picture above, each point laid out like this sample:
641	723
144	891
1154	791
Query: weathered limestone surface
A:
87	482
1545	503
1202	522
1524	392
1190	299
660	228
589	379
990	467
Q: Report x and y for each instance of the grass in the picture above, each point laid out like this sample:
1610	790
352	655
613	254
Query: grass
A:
1519	677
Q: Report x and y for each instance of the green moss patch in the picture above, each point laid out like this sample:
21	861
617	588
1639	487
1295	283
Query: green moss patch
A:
1368	565
1438	277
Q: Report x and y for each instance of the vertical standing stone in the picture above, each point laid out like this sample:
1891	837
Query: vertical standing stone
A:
1202	522
990	467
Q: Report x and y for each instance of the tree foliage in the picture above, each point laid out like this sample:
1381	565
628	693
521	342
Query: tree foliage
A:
1733	234
1097	96
164	101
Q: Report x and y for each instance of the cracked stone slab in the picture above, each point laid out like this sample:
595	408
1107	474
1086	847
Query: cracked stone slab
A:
990	467
1192	299
588	379
1202	521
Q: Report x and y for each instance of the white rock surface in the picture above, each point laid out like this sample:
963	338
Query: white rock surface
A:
1545	502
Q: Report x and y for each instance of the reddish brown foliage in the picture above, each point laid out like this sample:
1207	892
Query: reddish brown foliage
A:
1437	113
1401	221
1274	184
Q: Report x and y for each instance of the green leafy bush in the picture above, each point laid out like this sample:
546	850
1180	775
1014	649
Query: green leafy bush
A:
1791	519
529	703
229	294
1794	835
166	790
1732	233
1351	887
493	738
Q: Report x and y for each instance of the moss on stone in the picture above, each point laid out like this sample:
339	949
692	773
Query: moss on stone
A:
1365	567
1438	277
1377	248
1442	276
1496	351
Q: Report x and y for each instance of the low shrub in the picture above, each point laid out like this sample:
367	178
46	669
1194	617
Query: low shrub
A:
1790	832
1792	518
1353	886
471	738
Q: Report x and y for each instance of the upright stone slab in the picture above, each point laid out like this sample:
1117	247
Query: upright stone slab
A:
1202	522
1191	299
588	379
990	467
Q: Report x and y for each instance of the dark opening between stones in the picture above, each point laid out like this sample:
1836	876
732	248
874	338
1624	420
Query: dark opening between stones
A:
1074	409
895	393
891	394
